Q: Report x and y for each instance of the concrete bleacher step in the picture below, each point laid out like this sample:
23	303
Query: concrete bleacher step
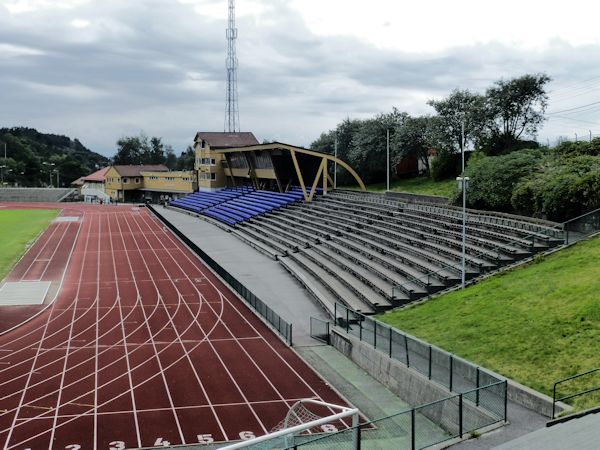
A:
386	235
485	252
258	245
306	239
343	294
285	238
315	287
383	286
428	261
438	281
363	290
276	246
413	290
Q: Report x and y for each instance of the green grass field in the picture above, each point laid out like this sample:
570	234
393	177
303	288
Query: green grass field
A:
535	324
417	185
20	228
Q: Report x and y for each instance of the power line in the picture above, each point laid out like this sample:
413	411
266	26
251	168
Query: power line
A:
574	109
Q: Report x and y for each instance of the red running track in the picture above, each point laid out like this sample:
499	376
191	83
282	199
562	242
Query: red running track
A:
143	346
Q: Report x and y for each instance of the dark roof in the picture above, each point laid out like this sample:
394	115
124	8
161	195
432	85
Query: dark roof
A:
134	171
227	140
98	176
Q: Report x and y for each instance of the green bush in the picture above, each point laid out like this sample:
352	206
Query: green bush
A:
445	165
493	178
564	188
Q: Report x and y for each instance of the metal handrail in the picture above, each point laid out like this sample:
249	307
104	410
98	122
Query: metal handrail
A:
587	391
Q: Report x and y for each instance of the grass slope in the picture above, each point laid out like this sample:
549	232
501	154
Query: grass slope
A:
535	324
417	185
19	228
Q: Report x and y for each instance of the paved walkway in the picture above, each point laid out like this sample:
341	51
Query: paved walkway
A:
580	434
264	276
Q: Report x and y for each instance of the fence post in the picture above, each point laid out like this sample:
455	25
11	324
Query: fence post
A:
477	392
360	330
391	340
375	334
347	321
291	342
505	400
413	439
328	333
406	349
335	313
355	432
430	354
451	374
460	415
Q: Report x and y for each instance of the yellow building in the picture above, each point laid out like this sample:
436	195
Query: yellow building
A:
147	182
210	164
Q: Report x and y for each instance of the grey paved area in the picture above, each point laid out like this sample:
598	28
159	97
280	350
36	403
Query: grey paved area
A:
580	434
521	421
264	276
23	293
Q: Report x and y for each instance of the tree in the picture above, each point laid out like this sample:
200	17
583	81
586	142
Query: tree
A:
129	151
460	107
368	149
186	159
416	137
515	109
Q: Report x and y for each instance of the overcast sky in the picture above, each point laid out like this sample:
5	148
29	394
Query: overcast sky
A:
102	69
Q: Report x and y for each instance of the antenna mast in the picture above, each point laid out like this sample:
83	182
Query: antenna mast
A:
232	114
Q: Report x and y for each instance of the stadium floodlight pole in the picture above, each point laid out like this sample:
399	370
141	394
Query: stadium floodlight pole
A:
575	137
335	163
388	160
464	199
590	135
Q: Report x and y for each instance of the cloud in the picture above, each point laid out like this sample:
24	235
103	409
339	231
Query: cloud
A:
98	70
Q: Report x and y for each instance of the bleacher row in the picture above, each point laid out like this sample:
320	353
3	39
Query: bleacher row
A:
373	253
234	205
44	195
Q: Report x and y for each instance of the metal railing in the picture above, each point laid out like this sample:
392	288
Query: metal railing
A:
281	326
588	390
581	226
422	426
446	369
319	329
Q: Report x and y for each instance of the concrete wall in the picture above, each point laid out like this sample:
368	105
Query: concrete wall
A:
409	385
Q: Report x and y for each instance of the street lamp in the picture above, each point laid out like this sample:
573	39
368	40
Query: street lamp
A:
50	165
463	184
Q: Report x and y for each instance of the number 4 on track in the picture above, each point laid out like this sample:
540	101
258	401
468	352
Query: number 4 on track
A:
160	442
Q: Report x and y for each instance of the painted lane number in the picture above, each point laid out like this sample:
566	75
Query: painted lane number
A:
116	445
160	443
205	439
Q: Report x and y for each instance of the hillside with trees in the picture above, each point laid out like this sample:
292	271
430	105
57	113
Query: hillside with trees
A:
151	150
34	159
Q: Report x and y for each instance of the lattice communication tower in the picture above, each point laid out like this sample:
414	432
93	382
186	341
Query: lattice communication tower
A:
232	114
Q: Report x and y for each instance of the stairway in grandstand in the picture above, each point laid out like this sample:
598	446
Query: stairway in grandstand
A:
371	252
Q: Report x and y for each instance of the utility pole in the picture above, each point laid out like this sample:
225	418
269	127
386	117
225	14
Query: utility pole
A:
232	114
590	135
335	163
388	160
2	167
575	137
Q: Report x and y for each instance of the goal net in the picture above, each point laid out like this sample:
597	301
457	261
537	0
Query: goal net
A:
306	419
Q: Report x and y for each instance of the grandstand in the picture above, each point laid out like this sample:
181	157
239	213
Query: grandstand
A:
44	195
368	251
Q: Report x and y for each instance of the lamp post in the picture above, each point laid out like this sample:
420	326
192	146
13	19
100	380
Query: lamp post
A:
335	163
2	167
463	184
50	165
388	161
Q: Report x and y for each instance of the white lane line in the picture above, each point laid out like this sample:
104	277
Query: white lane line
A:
49	238
160	365
97	338
146	380
179	336
209	341
195	262
18	409
64	370
133	404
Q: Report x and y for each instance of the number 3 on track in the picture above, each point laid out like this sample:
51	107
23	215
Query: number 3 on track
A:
116	445
73	447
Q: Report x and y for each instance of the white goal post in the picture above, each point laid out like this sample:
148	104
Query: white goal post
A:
287	433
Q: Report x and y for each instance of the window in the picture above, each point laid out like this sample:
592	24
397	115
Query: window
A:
125	180
137	180
213	162
213	176
202	143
